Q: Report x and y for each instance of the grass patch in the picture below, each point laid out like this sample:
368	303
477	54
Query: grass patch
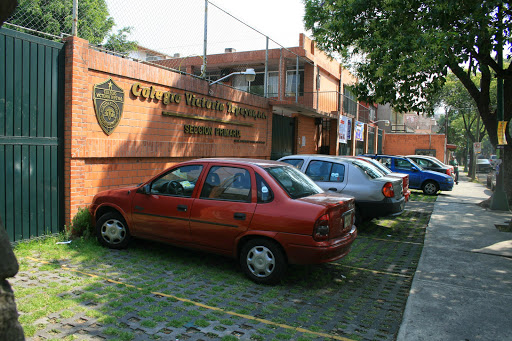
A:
370	284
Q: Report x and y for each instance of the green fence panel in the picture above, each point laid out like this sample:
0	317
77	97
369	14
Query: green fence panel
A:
31	131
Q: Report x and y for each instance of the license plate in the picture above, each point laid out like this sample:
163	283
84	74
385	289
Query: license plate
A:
347	218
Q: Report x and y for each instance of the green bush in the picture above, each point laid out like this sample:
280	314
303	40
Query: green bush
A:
81	225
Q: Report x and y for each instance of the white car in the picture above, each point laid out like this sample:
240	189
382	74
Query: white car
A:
376	195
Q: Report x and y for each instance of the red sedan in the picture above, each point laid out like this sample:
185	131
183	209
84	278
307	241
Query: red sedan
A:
266	214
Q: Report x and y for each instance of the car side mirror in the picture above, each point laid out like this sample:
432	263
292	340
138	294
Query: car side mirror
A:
143	189
414	169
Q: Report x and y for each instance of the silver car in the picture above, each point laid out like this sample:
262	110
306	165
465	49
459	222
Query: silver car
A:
376	195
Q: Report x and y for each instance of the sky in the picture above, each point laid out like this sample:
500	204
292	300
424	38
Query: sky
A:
177	26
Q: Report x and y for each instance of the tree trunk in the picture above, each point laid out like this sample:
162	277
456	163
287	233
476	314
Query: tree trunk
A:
10	328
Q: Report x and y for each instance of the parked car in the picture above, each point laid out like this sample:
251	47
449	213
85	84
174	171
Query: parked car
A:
376	195
388	172
264	213
428	181
431	163
493	160
483	166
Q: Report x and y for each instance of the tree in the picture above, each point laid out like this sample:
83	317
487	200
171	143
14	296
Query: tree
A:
406	48
461	113
119	42
56	17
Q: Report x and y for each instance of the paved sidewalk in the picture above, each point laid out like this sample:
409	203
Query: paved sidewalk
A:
462	289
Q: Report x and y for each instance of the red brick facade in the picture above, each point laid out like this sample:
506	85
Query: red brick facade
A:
147	140
408	144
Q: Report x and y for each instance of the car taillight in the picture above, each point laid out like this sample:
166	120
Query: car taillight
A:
321	231
449	171
388	191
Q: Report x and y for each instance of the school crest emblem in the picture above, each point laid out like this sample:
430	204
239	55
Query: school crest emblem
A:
108	100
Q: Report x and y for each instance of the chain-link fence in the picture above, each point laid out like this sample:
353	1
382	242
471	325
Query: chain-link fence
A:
194	37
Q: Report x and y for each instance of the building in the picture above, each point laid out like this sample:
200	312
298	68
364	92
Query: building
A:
79	120
308	92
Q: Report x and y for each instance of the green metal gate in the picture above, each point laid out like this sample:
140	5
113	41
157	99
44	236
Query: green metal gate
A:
31	126
283	129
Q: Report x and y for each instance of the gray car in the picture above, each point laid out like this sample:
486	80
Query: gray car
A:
376	195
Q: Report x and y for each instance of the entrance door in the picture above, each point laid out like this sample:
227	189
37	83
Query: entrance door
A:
31	126
283	136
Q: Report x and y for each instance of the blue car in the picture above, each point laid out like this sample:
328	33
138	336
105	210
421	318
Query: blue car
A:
428	181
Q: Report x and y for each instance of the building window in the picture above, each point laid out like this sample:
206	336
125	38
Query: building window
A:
291	82
349	102
273	84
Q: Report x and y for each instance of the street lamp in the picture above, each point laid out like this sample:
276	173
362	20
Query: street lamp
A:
250	75
386	122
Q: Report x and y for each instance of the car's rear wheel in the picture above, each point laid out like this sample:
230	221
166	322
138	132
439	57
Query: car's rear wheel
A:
430	188
112	230
263	261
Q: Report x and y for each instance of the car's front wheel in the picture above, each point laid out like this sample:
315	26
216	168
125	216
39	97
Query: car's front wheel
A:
430	188
112	230
263	261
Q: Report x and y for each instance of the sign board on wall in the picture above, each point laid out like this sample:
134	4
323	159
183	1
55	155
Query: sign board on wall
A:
342	134
349	129
108	100
359	131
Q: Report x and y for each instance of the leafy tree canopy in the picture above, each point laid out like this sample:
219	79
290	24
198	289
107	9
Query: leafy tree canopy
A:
406	47
56	16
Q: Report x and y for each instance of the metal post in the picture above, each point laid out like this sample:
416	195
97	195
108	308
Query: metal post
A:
499	200
297	81
265	79
74	29
205	43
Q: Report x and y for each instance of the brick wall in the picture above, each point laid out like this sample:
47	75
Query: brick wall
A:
145	142
306	131
406	144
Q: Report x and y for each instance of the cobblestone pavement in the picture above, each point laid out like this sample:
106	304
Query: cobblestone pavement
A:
153	291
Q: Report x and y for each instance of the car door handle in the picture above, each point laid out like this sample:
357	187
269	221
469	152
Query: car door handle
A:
182	208
239	216
332	189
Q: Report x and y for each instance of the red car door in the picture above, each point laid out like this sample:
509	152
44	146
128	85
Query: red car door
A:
163	212
224	208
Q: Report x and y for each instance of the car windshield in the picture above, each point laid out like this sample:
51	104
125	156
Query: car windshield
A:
436	161
294	182
372	171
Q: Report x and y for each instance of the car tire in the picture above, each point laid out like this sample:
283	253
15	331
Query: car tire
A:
358	217
263	261
430	187
112	231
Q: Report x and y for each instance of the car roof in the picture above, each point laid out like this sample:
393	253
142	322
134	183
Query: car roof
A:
256	162
433	158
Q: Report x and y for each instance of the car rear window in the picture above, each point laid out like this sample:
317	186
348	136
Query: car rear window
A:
297	163
379	165
294	182
372	171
